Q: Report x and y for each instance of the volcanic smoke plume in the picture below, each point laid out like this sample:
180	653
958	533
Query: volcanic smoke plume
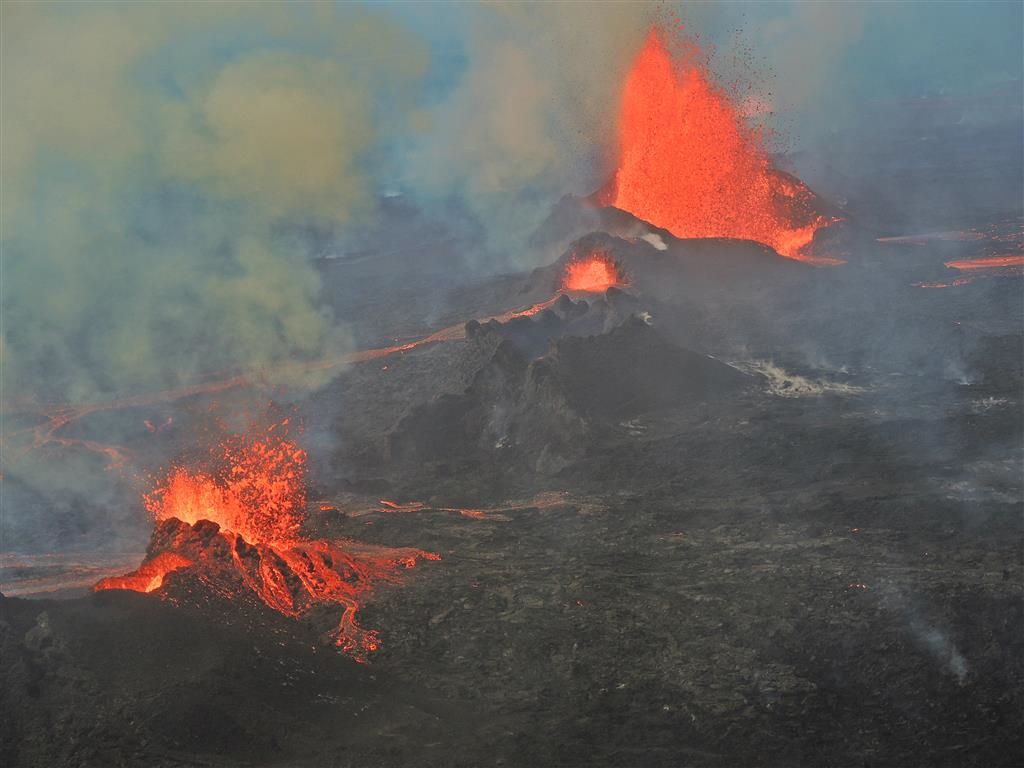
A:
689	162
236	530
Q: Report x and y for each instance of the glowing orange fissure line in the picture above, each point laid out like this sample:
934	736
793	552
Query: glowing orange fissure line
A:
1003	265
542	500
952	236
61	416
419	506
987	262
953	284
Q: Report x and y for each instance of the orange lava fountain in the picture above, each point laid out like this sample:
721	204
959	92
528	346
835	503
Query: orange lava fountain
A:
690	164
595	272
237	530
258	492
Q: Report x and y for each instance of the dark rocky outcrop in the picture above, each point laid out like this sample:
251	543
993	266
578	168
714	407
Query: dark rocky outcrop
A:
631	369
541	412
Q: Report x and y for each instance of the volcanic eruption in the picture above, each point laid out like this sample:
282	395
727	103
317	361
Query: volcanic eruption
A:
689	163
593	272
235	529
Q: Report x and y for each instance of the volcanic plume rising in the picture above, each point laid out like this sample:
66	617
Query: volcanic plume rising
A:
689	162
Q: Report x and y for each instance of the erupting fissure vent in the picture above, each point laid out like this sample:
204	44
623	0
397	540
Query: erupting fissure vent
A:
594	272
236	528
690	163
258	489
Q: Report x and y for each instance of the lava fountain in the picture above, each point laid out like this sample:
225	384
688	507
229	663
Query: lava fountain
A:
235	528
257	488
594	272
691	164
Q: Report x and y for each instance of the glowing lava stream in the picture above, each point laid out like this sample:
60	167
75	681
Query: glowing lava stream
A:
57	418
690	164
958	281
1010	265
987	262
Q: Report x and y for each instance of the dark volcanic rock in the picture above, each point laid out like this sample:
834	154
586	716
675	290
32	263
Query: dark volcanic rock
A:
631	369
587	315
542	411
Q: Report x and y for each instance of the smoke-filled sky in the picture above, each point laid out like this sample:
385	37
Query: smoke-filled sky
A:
166	166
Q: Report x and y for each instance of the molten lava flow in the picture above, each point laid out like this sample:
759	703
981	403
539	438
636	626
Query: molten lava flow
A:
689	162
1008	232
595	272
419	506
1005	265
235	529
149	576
953	284
988	262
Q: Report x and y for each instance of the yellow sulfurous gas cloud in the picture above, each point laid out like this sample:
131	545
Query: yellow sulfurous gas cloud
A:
275	128
159	165
533	116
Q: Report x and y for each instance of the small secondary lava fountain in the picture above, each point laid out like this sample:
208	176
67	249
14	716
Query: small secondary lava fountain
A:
595	272
689	162
258	490
237	530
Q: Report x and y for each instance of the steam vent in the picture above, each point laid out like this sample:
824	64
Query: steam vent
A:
523	385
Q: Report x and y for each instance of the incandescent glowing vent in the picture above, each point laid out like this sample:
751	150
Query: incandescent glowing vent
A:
256	489
594	272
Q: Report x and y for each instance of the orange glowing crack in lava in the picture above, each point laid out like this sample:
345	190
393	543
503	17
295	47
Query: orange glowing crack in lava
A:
1009	261
690	164
1004	265
237	528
